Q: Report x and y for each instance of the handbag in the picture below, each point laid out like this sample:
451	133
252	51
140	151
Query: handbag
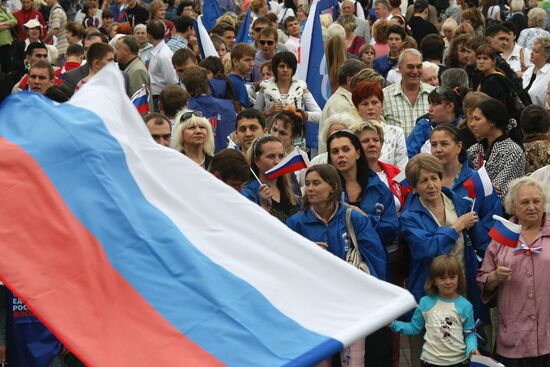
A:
353	255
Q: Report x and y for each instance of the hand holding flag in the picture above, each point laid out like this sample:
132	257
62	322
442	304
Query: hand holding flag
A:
505	232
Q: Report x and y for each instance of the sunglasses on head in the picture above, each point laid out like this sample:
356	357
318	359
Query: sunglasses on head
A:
258	29
187	115
268	42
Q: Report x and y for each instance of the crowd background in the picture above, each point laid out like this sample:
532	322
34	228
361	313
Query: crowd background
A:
435	91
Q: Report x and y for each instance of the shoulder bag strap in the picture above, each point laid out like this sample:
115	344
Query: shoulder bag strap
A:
351	230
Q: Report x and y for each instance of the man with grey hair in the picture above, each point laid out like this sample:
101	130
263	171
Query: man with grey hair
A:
382	9
340	101
363	27
406	101
456	79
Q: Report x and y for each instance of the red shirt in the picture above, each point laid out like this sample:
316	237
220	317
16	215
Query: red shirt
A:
67	67
23	16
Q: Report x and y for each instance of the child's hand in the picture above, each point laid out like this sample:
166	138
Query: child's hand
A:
474	352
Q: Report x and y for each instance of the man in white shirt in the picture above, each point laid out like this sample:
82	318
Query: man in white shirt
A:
340	101
161	69
292	29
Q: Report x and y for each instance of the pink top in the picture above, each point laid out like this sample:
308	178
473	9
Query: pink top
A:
524	301
382	49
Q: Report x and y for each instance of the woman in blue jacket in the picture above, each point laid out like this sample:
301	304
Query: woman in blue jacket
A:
447	147
362	186
436	222
323	221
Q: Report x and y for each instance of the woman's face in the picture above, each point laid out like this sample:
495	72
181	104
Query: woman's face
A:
479	125
161	13
194	135
440	112
370	108
368	56
528	206
318	191
371	143
141	35
470	56
33	33
448	33
266	73
462	55
221	50
284	72
485	64
343	154
283	132
444	147
428	186
537	55
272	153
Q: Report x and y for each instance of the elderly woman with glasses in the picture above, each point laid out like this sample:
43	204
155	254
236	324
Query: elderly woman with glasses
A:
445	105
285	92
519	280
194	137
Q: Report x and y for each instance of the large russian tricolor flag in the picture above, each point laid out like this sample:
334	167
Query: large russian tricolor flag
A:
128	269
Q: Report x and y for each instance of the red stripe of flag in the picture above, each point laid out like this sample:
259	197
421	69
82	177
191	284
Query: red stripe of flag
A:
74	290
470	187
500	238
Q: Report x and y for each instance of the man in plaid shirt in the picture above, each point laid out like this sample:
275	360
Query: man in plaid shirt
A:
405	102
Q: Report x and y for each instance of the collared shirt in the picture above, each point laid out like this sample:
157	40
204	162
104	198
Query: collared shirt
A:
161	69
514	59
292	45
538	89
528	36
58	20
399	111
177	42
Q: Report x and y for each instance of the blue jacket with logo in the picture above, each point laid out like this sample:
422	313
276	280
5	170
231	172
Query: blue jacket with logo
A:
427	240
377	201
335	233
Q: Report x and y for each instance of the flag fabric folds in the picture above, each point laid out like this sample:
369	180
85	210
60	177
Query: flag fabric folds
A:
206	46
133	255
293	162
312	64
211	11
140	99
244	31
482	361
479	185
505	232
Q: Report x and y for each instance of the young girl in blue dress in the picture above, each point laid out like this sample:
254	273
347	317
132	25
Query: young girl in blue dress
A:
448	317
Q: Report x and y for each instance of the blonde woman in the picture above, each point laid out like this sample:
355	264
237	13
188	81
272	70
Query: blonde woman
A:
536	20
194	137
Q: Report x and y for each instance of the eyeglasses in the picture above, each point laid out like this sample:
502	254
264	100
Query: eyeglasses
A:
267	42
187	115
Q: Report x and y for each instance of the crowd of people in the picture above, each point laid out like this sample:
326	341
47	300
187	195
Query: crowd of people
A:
435	92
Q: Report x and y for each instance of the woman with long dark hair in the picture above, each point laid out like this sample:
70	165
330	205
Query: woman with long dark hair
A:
499	144
362	186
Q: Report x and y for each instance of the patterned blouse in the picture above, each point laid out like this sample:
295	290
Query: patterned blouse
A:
537	152
394	149
504	161
528	36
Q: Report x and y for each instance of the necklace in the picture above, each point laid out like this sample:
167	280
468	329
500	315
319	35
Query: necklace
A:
203	160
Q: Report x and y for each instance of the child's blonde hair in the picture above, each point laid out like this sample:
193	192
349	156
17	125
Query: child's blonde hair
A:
441	266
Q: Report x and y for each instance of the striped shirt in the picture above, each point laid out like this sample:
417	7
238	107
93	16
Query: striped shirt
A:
398	110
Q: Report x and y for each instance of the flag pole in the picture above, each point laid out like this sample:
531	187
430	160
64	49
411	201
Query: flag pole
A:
473	204
256	176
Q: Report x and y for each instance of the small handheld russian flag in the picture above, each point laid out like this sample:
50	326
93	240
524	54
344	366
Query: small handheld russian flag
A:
479	185
293	162
140	99
505	232
482	361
